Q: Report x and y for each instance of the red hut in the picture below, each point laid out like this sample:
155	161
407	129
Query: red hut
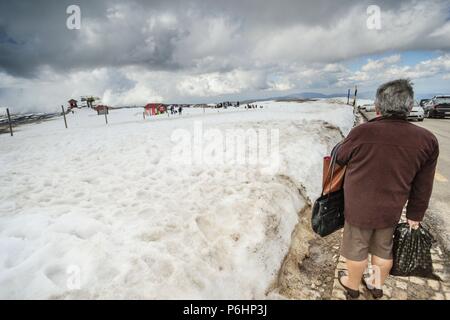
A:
73	103
154	108
101	109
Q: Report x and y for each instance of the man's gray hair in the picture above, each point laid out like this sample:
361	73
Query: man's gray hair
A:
395	98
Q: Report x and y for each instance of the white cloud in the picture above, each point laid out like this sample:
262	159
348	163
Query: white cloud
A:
281	83
424	69
373	65
441	31
130	53
212	84
53	90
138	95
403	29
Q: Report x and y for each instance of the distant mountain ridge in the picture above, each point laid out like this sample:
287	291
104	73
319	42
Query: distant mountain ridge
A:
317	95
306	95
311	95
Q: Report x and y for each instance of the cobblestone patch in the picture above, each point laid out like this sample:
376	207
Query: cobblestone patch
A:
406	288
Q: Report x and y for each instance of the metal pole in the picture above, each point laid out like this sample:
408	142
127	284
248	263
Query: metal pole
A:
106	115
348	96
9	121
64	115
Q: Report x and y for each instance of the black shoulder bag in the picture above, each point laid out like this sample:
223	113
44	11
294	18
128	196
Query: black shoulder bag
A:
328	210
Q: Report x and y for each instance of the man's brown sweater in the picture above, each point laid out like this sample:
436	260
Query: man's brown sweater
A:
389	162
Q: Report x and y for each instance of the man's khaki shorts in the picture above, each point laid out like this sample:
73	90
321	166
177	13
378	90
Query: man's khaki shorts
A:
357	243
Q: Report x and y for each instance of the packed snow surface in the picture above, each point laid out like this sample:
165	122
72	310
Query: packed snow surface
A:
107	211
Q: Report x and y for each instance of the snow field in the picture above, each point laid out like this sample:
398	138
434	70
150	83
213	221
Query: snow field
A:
107	210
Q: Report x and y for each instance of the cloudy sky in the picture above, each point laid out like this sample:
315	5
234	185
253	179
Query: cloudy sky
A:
134	52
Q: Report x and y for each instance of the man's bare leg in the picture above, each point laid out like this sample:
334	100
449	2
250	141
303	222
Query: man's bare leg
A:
382	267
355	273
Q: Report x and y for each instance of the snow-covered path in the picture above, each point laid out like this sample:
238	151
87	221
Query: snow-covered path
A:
108	205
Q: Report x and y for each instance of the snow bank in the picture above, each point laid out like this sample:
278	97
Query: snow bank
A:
100	211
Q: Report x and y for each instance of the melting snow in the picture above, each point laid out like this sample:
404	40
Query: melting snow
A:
105	207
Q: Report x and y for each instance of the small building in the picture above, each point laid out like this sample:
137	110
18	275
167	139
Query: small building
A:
73	104
102	109
152	109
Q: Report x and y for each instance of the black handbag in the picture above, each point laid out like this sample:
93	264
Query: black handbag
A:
328	210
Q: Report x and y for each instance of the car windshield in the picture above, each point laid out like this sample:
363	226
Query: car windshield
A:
443	100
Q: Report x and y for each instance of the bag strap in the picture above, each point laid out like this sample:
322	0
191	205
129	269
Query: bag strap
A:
332	166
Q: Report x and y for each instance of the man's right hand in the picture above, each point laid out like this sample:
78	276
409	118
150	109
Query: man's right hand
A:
413	224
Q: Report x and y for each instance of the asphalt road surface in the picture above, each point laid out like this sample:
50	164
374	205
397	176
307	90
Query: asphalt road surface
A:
440	200
438	215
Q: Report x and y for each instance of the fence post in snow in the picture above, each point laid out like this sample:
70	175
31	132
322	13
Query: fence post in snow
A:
64	115
348	96
356	92
9	122
106	115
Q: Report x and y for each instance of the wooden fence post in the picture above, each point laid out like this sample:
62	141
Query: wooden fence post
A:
9	122
356	92
64	115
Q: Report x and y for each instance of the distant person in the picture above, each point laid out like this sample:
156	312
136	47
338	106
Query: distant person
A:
172	109
180	110
390	162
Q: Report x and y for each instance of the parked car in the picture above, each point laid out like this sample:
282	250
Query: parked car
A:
369	107
423	102
363	107
438	107
416	113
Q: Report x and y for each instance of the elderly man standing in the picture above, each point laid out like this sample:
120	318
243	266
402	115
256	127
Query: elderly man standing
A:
390	162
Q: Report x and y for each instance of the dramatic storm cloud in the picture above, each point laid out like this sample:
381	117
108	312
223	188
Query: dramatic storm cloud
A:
134	52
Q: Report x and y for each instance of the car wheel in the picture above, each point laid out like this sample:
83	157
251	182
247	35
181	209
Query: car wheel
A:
420	120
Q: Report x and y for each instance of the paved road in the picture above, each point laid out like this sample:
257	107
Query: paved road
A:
439	211
440	200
